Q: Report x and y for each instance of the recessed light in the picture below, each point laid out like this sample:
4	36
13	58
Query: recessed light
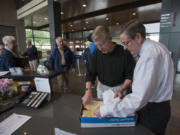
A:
134	13
117	23
62	13
87	22
107	18
71	25
45	18
84	5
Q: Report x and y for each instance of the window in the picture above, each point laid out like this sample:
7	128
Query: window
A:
41	39
152	31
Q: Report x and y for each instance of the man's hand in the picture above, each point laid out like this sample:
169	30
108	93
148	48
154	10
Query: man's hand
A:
118	94
87	97
97	112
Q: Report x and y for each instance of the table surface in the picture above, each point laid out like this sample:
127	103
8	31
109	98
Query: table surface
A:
30	75
63	112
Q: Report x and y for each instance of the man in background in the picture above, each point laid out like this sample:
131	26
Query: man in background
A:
32	54
62	60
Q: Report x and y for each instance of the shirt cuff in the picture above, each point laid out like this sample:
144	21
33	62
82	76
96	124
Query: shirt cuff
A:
106	110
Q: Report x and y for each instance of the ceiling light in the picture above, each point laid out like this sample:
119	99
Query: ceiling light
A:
84	28
117	23
71	25
84	5
87	22
107	18
134	13
45	18
62	13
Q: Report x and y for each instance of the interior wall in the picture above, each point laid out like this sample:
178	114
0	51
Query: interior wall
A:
170	27
8	17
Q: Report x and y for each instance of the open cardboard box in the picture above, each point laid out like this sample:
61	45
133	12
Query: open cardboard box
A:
92	121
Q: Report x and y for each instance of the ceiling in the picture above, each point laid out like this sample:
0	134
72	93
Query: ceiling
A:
75	17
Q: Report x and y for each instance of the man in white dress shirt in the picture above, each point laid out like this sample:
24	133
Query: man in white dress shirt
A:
152	86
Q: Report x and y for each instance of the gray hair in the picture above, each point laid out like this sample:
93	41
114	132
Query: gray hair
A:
133	27
7	39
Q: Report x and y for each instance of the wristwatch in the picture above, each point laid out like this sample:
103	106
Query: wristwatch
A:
87	89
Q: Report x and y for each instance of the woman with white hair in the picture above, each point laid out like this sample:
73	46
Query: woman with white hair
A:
8	57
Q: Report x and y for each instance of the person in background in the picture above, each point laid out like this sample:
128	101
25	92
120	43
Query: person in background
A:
152	86
8	57
110	63
32	54
87	53
92	47
62	60
1	48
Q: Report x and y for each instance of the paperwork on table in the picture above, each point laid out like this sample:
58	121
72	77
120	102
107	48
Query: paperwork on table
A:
62	132
12	123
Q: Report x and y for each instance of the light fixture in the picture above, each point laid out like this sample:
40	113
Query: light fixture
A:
117	23
45	18
84	28
107	18
71	25
84	5
134	13
62	13
87	22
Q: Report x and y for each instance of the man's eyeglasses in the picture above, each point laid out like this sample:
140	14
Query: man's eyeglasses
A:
125	43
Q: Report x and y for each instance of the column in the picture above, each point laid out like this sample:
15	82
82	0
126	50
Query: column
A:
54	13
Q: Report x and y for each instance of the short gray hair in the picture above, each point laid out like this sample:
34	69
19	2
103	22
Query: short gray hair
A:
7	39
133	27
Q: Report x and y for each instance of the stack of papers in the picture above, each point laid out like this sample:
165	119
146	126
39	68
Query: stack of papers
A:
12	123
89	109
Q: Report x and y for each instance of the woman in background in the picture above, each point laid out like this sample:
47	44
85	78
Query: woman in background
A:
8	56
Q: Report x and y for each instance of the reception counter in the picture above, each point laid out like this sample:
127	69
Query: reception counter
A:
63	112
30	75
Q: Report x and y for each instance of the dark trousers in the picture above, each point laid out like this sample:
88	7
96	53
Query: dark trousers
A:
155	116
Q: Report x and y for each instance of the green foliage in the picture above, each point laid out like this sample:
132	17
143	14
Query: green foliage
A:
28	33
41	38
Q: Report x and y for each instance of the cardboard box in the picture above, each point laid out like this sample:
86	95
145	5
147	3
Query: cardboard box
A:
93	121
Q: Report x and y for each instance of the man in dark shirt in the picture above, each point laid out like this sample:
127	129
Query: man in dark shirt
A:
110	63
32	54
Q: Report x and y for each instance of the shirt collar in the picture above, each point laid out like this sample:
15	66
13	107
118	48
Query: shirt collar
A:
142	47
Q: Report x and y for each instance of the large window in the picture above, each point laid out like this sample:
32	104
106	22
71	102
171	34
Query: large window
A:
152	31
41	39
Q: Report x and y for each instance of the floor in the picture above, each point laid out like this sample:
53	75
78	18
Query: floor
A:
173	127
77	86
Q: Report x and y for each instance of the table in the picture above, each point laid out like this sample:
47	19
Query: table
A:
30	75
63	112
